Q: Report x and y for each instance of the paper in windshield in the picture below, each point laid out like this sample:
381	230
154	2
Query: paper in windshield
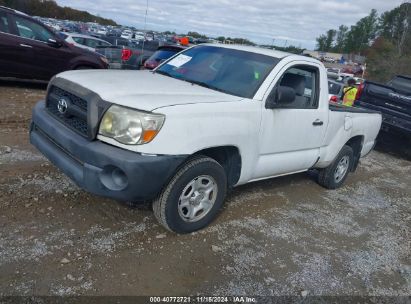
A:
179	60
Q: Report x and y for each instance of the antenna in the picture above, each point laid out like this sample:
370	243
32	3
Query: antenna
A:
145	33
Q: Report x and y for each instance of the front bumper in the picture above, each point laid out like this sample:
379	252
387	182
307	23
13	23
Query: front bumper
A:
100	168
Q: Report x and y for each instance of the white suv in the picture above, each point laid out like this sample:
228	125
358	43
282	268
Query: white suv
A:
84	41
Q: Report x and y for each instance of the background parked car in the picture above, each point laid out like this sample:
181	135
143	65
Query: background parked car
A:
358	80
328	59
162	54
393	100
127	55
333	73
335	91
30	50
84	41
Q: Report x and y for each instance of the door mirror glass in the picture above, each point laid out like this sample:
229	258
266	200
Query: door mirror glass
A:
282	96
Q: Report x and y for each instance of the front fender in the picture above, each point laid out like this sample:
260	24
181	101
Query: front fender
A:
190	128
85	61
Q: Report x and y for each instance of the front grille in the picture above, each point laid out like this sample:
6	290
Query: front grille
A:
76	115
74	99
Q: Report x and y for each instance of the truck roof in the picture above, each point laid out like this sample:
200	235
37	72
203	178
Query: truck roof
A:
83	36
253	49
259	50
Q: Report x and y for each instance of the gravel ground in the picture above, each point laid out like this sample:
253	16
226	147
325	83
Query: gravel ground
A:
286	236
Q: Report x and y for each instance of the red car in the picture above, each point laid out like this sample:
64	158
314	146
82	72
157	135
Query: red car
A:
30	50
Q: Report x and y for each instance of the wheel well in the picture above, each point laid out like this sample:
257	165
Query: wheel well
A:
356	143
84	67
229	158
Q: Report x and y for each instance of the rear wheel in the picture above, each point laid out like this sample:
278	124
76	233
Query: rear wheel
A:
193	197
335	174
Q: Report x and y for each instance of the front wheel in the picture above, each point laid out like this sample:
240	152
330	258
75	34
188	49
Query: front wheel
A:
335	174
193	197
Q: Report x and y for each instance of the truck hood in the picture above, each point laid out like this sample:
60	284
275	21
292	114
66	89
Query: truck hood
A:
143	90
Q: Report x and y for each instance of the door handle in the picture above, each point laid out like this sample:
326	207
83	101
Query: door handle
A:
26	45
317	122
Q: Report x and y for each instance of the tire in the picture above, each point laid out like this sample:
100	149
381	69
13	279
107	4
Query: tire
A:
329	177
193	197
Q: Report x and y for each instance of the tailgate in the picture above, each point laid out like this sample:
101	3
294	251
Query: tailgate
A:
112	53
386	97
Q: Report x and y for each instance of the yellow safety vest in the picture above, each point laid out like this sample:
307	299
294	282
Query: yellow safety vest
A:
349	96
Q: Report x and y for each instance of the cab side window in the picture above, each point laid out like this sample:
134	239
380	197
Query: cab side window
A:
31	30
4	23
304	80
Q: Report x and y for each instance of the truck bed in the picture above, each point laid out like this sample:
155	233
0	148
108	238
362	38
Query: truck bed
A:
140	52
341	108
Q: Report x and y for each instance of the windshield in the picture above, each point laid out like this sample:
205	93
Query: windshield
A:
226	70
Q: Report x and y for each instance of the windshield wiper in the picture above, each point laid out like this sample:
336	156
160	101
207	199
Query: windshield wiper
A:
200	83
206	85
163	73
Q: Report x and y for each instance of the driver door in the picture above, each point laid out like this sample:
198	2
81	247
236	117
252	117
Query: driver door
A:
292	134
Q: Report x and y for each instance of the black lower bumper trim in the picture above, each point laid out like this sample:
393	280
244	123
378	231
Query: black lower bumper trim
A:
100	168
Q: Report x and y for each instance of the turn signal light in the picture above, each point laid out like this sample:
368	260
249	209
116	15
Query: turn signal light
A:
148	136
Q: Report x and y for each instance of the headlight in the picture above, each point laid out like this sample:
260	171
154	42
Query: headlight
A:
130	127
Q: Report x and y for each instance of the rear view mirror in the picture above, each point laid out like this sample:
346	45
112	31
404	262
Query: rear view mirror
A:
282	95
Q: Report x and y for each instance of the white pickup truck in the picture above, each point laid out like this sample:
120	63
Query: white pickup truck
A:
208	119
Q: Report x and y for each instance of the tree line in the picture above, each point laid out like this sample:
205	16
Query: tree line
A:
50	9
222	39
243	41
384	39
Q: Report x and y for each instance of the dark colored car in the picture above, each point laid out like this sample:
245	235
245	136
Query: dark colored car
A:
162	54
29	50
393	100
127	55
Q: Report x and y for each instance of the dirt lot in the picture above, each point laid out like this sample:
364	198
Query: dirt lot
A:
286	236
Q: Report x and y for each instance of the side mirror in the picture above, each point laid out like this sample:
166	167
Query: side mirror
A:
54	43
282	95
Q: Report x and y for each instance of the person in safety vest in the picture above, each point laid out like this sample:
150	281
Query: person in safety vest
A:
349	93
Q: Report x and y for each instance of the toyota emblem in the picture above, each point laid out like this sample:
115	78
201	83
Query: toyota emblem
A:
62	105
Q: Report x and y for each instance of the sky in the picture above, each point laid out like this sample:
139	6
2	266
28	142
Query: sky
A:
278	22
